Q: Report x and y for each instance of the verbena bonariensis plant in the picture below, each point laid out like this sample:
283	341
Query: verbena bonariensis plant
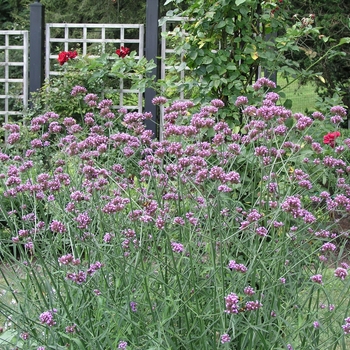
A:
117	240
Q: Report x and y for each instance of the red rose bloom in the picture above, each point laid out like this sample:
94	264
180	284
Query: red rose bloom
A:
64	56
123	51
329	139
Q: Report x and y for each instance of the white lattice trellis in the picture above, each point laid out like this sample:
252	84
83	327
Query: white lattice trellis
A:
103	35
10	42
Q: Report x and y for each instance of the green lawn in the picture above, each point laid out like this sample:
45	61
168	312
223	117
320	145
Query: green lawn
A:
303	97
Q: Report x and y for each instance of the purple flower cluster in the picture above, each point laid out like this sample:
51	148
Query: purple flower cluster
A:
47	317
232	265
346	326
147	192
231	303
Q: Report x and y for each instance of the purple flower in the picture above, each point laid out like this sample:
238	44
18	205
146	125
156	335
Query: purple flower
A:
217	103
57	226
232	265
316	324
78	90
133	306
241	100
253	305
263	82
261	231
225	338
13	138
159	100
24	335
78	278
328	246
346	326
47	318
231	302
340	273
249	290
336	119
338	110
83	220
177	247
316	279
94	267
122	345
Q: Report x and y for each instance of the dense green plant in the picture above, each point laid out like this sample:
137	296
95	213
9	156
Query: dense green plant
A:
122	241
229	43
333	17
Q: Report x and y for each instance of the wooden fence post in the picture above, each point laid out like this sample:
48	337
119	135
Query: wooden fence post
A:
152	52
36	42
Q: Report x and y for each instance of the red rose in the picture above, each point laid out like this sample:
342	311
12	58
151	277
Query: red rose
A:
123	51
64	56
329	139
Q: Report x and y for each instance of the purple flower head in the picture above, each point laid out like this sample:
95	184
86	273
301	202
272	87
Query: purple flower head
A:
231	303
133	306
177	247
318	116
83	220
346	326
122	345
249	290
316	279
261	231
336	119
338	110
232	265
225	338
78	90
272	96
241	101
57	226
159	100
217	103
340	273
253	305
328	246
47	318
13	138
263	82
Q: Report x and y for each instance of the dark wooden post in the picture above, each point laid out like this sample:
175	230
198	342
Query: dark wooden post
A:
152	48
36	42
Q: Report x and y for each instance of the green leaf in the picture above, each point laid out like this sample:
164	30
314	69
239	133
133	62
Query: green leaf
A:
229	29
288	103
239	2
221	70
181	67
207	60
231	66
221	24
345	40
210	68
193	55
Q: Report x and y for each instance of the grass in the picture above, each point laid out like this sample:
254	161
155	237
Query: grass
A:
303	97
